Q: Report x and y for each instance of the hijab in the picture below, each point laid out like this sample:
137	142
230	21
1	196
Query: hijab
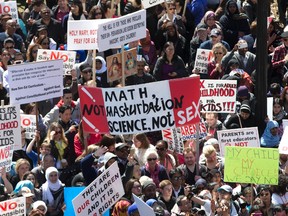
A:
103	68
48	186
267	139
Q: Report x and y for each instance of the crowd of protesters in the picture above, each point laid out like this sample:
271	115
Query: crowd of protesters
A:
172	184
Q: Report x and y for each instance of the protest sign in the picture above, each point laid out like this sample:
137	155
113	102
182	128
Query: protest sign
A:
10	128
101	194
122	30
285	123
283	146
243	137
251	165
82	34
270	108
67	56
202	59
218	95
9	7
28	122
190	131
35	81
142	207
114	65
140	108
150	3
16	206
173	137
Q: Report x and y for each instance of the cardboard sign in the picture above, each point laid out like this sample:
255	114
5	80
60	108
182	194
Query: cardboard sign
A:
142	207
10	128
202	59
190	131
114	65
150	3
101	194
140	108
35	81
122	30
283	146
218	96
173	137
28	122
16	206
82	34
68	57
243	137
9	7
251	165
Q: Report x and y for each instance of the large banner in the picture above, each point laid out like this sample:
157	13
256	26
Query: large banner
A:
122	30
16	206
35	81
251	165
101	194
68	57
202	59
218	96
140	108
82	34
244	137
9	7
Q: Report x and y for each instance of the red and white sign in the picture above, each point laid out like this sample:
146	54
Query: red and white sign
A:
243	137
10	128
101	194
140	108
67	56
122	30
173	137
28	122
203	57
218	96
9	7
16	206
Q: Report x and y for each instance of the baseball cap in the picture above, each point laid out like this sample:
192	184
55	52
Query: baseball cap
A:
226	188
215	32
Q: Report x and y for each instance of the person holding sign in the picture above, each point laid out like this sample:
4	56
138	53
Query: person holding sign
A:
169	65
270	137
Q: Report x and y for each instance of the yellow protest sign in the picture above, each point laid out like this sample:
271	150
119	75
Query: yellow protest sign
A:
251	165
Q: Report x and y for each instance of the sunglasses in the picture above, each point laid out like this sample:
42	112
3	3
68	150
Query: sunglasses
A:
177	178
98	13
45	43
172	9
218	53
85	72
58	132
12	47
22	132
285	39
264	194
160	149
151	159
34	51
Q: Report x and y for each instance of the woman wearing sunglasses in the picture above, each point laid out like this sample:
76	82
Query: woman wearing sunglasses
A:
215	69
152	168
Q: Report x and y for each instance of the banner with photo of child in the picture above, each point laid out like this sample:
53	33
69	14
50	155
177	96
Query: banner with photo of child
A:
114	65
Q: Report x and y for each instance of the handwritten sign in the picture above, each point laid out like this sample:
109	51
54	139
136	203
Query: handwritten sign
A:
218	96
68	57
10	128
251	165
101	194
82	34
122	30
35	81
173	138
202	60
28	122
141	108
244	137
